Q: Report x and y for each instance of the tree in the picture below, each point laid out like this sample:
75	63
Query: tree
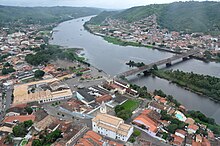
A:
124	114
28	123
29	110
8	139
172	128
39	74
7	64
136	133
37	142
19	130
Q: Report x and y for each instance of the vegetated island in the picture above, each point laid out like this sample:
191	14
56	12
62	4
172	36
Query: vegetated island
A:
201	84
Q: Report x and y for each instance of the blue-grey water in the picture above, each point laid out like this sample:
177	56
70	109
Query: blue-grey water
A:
112	58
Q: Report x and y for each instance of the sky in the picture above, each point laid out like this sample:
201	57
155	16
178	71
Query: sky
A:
109	4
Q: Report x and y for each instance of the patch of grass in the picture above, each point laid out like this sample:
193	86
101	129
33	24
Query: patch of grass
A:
130	105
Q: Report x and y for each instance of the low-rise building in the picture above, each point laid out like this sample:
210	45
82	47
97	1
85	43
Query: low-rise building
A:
148	123
192	129
41	91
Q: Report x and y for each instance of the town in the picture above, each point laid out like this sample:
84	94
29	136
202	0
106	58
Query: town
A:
66	101
147	33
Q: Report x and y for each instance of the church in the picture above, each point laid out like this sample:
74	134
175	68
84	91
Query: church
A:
111	126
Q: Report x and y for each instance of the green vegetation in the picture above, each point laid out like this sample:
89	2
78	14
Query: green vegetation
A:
135	64
201	118
8	70
29	110
24	142
21	129
142	91
39	74
204	84
135	134
15	16
170	98
52	52
130	105
101	17
125	110
47	139
179	16
120	42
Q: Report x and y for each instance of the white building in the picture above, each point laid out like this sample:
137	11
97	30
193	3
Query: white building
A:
111	126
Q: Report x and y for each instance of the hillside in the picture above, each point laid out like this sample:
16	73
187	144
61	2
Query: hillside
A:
42	15
178	16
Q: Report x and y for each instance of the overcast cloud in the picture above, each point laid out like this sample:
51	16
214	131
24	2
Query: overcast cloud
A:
111	4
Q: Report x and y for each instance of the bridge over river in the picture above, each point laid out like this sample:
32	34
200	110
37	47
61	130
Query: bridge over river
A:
167	61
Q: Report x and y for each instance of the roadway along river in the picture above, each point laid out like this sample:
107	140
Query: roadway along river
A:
112	58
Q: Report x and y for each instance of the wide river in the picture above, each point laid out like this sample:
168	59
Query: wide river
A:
112	58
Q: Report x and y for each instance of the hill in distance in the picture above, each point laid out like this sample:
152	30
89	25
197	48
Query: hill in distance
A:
42	15
178	16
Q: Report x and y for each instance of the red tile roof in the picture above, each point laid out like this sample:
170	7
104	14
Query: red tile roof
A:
143	118
20	118
194	127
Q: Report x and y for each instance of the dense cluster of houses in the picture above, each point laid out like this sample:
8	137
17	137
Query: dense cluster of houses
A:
147	32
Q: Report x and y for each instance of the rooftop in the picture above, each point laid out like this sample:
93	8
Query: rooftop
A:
20	118
39	90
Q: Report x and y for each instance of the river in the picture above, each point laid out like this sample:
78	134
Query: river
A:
112	58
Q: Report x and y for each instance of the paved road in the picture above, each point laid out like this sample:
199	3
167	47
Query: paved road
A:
65	115
155	142
6	102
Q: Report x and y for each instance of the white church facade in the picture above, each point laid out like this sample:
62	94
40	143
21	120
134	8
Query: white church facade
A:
111	126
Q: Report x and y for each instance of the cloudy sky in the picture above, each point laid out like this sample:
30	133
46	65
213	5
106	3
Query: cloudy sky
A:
111	4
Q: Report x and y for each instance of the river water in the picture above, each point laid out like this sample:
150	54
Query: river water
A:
112	58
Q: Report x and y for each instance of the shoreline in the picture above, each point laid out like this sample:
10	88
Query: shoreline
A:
186	88
95	66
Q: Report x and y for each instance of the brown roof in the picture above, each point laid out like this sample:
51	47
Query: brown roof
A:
194	127
157	105
147	121
20	118
177	140
181	131
103	98
190	121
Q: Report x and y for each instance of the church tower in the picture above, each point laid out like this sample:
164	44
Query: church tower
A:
103	109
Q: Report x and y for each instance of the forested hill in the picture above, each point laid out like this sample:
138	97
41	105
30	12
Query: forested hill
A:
42	15
180	16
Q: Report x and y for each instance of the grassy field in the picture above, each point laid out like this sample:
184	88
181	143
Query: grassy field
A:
120	42
131	105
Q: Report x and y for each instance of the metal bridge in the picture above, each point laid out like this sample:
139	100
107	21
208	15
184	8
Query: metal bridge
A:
167	61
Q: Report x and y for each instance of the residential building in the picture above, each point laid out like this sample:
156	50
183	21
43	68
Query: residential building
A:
148	123
192	129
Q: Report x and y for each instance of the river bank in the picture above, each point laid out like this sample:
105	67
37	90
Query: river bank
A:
112	58
168	75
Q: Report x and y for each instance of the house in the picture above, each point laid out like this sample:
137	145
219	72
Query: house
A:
180	133
20	118
177	140
103	98
192	129
111	126
145	120
190	121
156	106
201	141
91	138
198	138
